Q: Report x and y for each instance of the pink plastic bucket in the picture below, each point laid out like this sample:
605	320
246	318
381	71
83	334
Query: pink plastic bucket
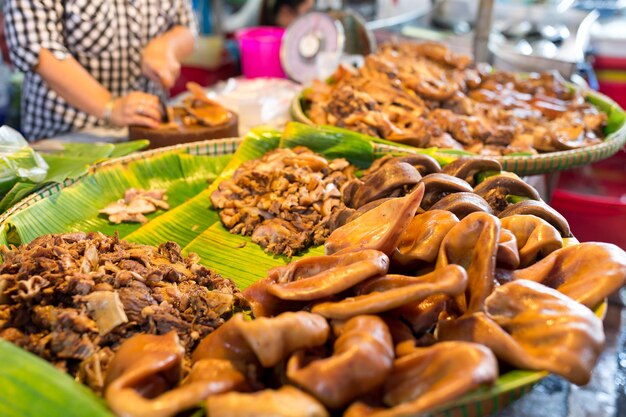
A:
260	51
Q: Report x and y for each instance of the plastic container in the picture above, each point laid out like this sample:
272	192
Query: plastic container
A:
611	74
260	51
593	200
592	218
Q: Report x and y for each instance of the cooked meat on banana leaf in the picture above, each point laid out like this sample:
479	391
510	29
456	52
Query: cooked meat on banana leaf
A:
73	298
285	200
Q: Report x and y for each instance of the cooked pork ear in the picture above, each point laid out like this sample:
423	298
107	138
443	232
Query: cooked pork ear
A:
425	164
496	189
361	361
393	291
146	368
359	409
421	240
576	272
385	181
473	244
348	191
265	340
508	256
355	214
467	168
424	315
439	185
322	276
379	228
227	342
403	338
429	377
539	209
462	204
265	304
535	237
216	371
284	402
531	326
272	340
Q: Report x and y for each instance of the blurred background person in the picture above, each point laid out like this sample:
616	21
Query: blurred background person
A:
96	63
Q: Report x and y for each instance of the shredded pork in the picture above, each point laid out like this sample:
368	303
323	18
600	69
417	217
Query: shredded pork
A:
283	200
73	298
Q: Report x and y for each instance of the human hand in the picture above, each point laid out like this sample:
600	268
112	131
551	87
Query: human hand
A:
159	63
136	108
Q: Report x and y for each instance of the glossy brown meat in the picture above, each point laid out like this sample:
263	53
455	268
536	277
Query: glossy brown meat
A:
462	204
359	409
361	361
497	188
218	370
395	291
429	377
535	237
586	272
317	277
73	298
539	209
265	340
284	402
439	185
227	343
531	326
424	164
402	336
273	339
423	95
383	182
145	370
379	228
424	315
473	244
421	240
508	256
439	53
467	168
263	303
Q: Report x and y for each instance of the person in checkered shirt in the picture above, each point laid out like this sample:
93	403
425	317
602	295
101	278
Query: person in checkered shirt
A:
96	62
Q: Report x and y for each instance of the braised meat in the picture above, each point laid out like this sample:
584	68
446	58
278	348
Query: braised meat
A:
73	298
346	334
425	95
284	200
135	204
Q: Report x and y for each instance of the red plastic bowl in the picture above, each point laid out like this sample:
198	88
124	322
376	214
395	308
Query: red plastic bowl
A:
595	219
593	200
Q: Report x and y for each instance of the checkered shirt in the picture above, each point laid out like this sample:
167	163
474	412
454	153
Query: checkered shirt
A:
105	36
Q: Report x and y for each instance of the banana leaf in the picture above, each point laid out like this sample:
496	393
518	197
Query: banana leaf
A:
331	142
187	222
31	387
126	148
191	221
69	161
77	208
181	224
237	257
359	149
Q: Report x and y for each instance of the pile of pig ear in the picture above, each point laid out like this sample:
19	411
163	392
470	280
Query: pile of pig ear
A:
411	307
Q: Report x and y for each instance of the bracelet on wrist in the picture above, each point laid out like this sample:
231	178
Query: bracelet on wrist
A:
108	112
